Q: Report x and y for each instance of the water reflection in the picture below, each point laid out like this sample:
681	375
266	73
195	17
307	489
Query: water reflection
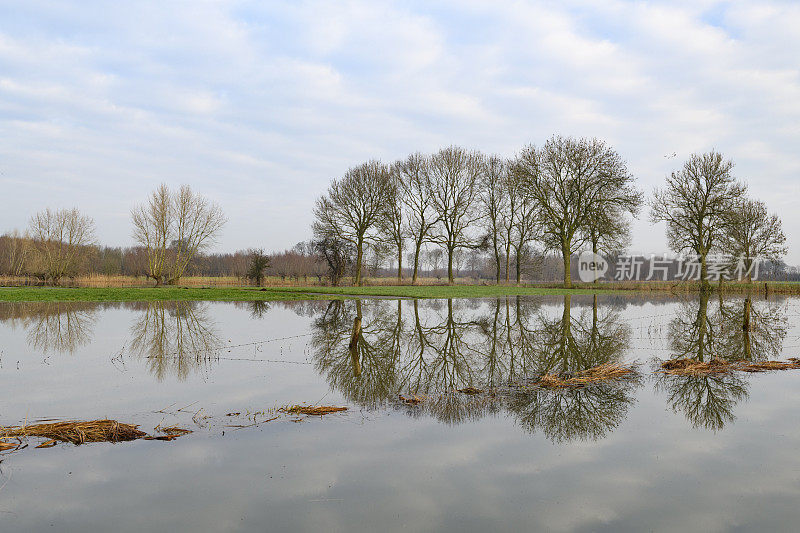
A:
175	338
738	330
452	346
53	327
436	347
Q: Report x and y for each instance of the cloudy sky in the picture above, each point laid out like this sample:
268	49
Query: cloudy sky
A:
259	104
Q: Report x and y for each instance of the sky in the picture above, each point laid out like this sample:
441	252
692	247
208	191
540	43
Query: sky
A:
258	105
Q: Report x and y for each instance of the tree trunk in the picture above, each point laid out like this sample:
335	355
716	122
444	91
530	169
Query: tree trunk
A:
705	286
508	261
450	277
359	255
594	251
416	261
497	261
567	267
399	265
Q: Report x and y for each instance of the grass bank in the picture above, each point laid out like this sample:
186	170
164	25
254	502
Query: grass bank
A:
132	294
127	294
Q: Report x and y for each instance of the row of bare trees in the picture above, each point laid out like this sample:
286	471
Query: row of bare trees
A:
565	196
556	197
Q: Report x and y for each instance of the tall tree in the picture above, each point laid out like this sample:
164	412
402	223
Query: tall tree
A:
495	202
525	222
525	231
415	195
696	205
173	228
392	223
564	179
752	233
353	207
453	180
59	239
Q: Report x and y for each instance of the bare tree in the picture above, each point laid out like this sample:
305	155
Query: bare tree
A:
564	179
415	195
498	209
435	261
525	223
338	255
353	208
174	228
751	233
696	204
392	226
608	228
59	237
453	180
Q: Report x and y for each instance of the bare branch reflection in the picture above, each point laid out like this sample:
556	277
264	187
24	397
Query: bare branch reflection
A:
53	327
175	338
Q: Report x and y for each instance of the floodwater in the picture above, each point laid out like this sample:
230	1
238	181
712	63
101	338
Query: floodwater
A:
658	453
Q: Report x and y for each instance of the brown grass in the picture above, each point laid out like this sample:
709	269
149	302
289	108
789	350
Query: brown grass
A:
412	400
604	372
76	432
312	410
692	367
767	366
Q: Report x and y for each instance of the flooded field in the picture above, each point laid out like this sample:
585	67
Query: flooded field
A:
448	425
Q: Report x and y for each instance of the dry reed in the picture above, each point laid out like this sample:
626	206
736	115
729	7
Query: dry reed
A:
412	400
76	432
604	372
692	367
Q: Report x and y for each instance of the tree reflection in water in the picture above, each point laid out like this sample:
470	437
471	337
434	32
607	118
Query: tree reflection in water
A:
53	327
737	330
175	338
449	346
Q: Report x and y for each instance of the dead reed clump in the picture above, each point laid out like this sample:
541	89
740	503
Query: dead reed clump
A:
412	400
604	372
76	432
551	381
767	366
312	410
692	367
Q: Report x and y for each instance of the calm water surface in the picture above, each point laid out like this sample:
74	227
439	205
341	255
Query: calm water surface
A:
656	453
